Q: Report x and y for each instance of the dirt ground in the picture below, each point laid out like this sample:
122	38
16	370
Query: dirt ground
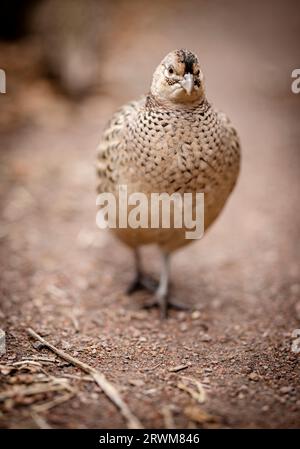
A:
66	279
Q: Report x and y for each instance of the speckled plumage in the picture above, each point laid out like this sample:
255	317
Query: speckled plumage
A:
152	148
158	144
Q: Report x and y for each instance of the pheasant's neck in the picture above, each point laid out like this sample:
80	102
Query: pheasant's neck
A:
153	102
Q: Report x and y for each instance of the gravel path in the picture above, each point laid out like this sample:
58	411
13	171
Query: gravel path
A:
65	279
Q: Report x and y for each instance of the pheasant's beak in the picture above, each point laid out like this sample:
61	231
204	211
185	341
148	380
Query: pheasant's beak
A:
188	83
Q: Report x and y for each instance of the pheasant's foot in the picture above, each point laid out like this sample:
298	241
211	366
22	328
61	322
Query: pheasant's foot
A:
164	304
142	282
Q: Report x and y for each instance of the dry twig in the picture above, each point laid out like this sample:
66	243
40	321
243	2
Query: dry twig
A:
200	416
47	405
42	359
26	362
73	376
175	369
30	391
40	421
197	393
110	391
168	417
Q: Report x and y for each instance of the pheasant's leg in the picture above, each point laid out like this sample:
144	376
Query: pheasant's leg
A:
162	299
162	291
141	281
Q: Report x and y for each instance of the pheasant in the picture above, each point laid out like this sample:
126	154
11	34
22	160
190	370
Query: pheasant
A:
170	140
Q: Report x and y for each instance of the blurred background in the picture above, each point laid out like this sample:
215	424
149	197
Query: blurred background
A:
68	66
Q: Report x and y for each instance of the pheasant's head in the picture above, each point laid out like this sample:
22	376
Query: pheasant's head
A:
178	78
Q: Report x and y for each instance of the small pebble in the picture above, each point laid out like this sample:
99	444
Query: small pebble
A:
2	342
254	376
286	390
206	338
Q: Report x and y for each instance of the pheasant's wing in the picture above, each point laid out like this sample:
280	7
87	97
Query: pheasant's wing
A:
112	151
232	144
230	131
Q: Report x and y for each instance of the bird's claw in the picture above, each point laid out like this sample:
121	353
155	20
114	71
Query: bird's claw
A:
164	305
142	282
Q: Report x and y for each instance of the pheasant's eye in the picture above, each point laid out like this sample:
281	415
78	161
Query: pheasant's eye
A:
170	70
